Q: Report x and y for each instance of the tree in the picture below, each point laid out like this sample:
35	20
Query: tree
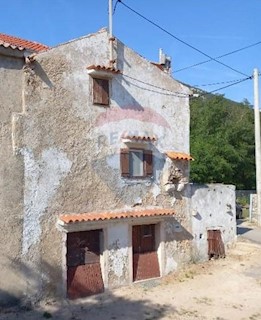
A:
222	141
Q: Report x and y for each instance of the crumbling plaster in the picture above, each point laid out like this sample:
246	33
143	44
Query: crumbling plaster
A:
64	117
212	207
42	179
11	181
119	252
61	154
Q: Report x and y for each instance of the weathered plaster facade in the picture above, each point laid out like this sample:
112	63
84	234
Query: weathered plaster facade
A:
71	148
212	208
11	174
62	155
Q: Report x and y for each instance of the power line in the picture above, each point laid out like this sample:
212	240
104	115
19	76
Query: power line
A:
182	94
115	6
180	40
216	83
222	56
168	92
229	85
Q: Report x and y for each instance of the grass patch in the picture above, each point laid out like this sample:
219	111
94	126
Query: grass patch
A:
191	313
203	300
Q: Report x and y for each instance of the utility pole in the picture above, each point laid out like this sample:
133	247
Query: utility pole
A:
257	145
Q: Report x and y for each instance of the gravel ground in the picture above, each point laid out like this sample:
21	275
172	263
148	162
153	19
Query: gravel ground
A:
224	289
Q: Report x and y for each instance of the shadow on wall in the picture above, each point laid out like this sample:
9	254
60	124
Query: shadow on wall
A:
195	187
175	231
39	281
39	71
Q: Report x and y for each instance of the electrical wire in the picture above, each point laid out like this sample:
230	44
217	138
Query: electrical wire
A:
222	56
168	92
229	85
216	83
115	6
180	40
182	94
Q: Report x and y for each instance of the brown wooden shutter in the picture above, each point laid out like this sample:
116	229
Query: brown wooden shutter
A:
125	167
101	91
148	163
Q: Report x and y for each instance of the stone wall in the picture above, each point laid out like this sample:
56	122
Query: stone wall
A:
212	208
71	148
11	177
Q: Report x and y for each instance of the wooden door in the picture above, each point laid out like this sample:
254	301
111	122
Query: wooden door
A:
145	257
216	248
84	277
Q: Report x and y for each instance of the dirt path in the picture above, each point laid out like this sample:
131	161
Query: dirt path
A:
223	289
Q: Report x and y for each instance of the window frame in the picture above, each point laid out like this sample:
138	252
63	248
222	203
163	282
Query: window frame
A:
126	166
101	92
131	162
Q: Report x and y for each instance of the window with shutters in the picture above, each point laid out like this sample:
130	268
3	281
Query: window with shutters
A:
101	91
136	163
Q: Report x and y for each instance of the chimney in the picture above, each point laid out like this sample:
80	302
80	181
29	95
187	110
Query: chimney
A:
165	61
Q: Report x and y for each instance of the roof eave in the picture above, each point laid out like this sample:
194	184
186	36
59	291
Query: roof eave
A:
13	52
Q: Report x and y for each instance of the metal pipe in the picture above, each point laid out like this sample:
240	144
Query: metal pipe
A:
110	33
257	145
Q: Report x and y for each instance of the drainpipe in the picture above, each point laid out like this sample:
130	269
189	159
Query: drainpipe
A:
111	38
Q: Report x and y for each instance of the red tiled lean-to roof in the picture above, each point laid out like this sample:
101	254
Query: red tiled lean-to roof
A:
178	155
21	44
100	216
139	137
103	68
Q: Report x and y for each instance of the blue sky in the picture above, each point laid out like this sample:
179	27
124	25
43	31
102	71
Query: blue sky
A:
214	27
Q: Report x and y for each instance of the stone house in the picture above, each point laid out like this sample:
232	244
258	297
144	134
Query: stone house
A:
94	170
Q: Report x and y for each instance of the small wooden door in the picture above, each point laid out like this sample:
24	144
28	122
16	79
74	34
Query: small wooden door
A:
216	248
145	258
84	277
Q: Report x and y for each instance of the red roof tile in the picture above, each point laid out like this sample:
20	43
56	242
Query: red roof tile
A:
100	216
139	137
103	68
178	155
21	44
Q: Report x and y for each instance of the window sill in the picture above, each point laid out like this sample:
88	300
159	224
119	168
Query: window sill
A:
142	180
101	105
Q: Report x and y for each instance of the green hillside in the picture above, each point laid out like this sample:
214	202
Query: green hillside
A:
222	141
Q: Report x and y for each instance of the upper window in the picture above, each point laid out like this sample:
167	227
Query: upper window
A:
136	163
101	91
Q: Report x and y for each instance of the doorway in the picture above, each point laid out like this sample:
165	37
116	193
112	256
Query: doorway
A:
84	275
216	248
145	257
